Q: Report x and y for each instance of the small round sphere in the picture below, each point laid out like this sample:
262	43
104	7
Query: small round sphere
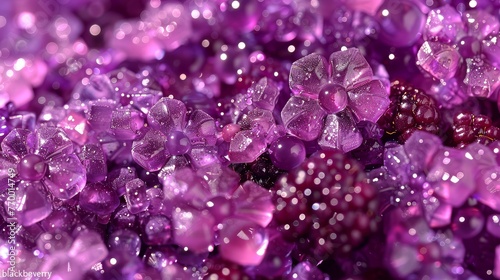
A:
177	143
468	222
125	240
287	152
333	98
229	130
32	167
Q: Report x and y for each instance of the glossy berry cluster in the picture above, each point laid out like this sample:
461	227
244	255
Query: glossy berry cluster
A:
326	201
468	128
410	109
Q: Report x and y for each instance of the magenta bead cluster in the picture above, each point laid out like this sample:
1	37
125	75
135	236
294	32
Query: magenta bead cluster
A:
232	139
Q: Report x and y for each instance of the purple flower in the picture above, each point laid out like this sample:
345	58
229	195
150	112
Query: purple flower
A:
44	162
344	90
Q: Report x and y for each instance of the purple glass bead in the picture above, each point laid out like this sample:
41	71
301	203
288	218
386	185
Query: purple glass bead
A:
93	158
125	240
32	167
99	198
193	229
468	222
401	22
303	118
243	242
157	230
333	98
135	196
177	143
287	152
308	75
439	60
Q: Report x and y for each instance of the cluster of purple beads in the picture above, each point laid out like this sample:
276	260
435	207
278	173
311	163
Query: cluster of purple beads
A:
235	139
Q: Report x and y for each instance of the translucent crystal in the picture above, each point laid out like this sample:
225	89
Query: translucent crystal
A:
66	176
303	118
439	60
126	123
369	101
200	129
87	250
193	229
308	75
99	198
350	69
157	230
167	115
92	157
99	114
119	178
253	203
340	132
444	23
243	242
76	127
481	78
30	205
135	196
480	23
149	152
246	146
264	93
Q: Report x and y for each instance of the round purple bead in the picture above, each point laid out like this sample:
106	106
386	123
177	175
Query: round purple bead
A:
126	240
32	167
177	143
287	152
333	98
468	222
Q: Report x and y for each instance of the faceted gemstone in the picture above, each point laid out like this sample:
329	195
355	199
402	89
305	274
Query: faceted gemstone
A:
15	143
200	129
177	143
76	127
369	101
306	270
480	23
135	196
93	158
202	156
491	48
95	88
173	164
149	152
287	152
308	75
333	98
243	242
481	78
264	93
99	198
66	176
443	23
303	118
60	220
185	184
451	174
126	123
157	230
167	115
87	250
246	146
193	229
468	222
32	167
258	120
100	113
401	22
253	203
350	69
119	178
220	208
340	132
30	204
439	60
421	147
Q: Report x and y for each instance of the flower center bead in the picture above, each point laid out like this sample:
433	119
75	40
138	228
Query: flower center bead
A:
177	143
333	98
32	167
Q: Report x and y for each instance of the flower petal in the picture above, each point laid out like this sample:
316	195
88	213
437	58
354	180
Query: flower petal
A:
15	144
350	68
340	132
51	141
369	101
